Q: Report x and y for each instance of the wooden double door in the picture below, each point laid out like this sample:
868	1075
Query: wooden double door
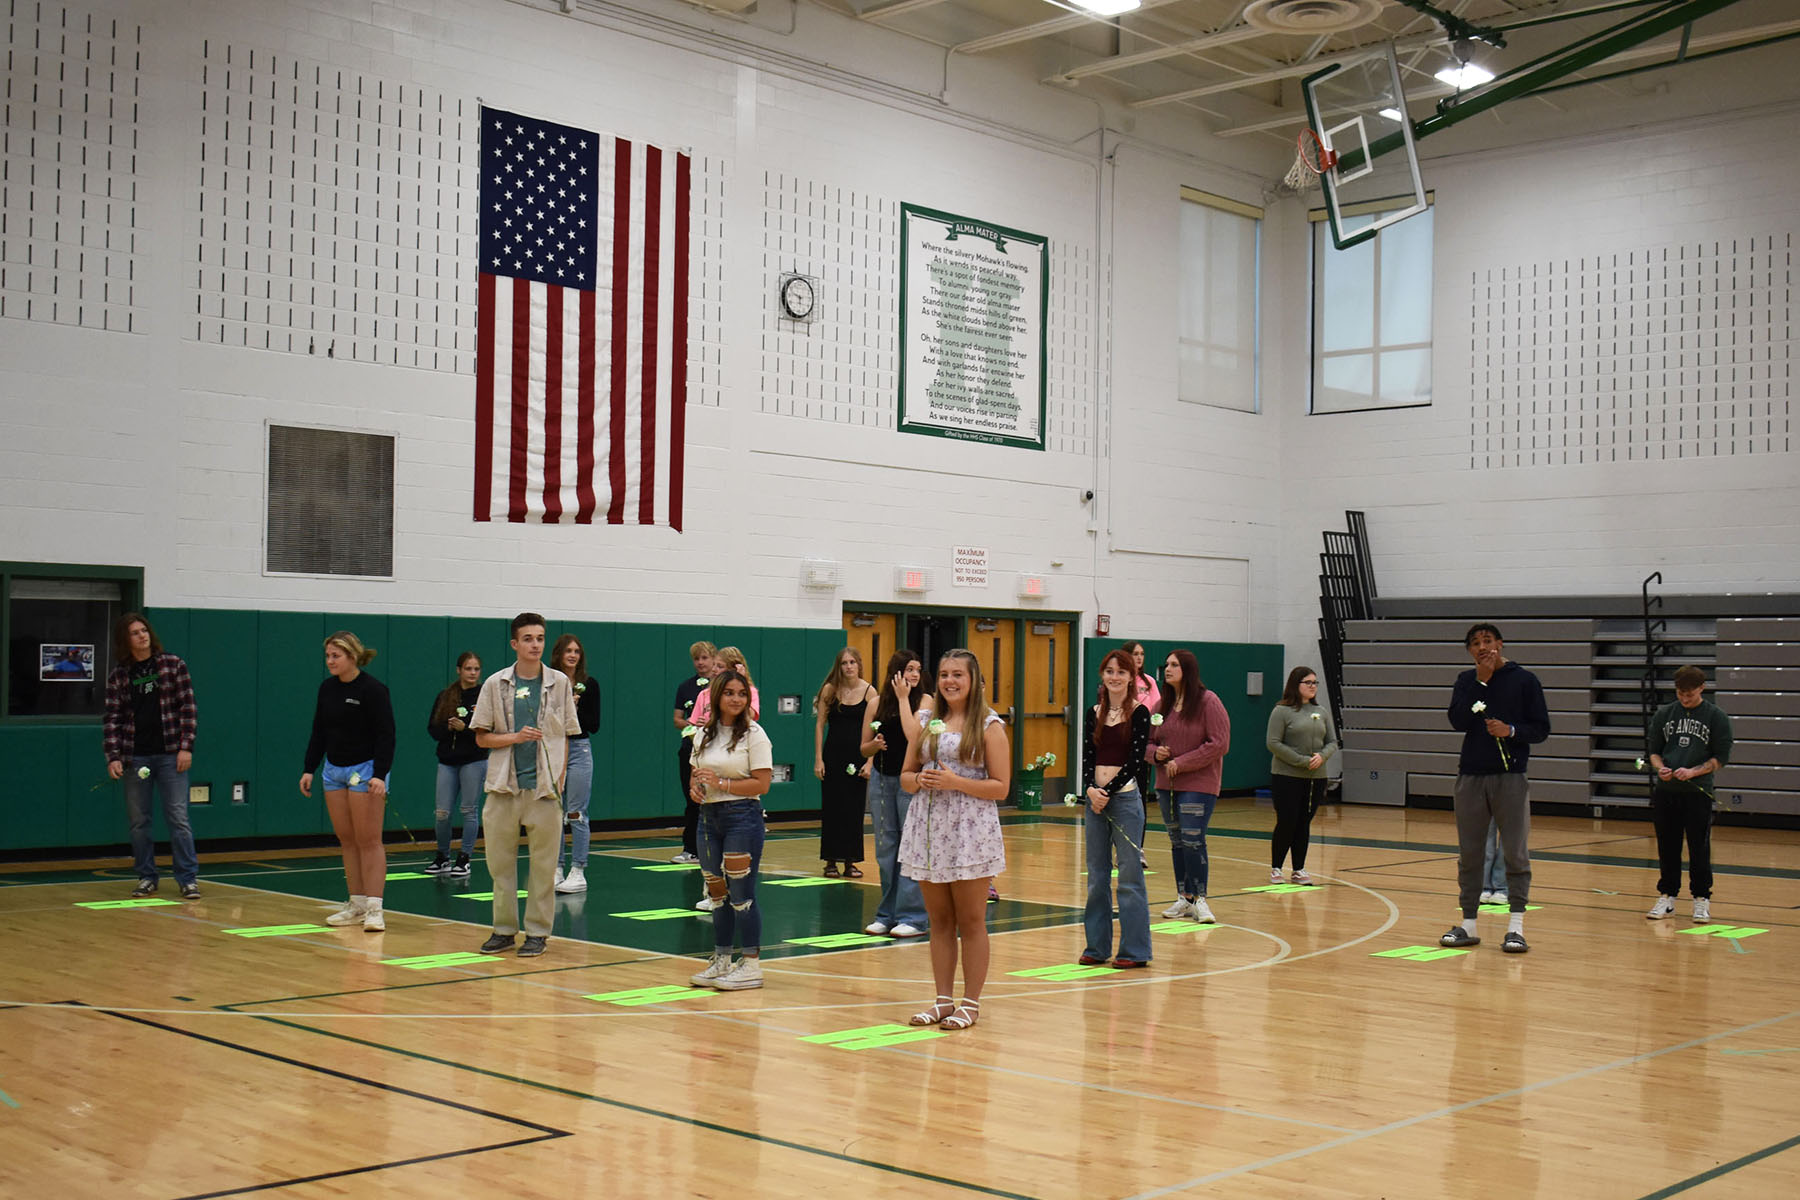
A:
1027	662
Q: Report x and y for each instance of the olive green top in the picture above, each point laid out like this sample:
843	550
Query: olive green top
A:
1295	735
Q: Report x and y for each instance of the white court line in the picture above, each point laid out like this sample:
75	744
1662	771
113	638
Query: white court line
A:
1453	1109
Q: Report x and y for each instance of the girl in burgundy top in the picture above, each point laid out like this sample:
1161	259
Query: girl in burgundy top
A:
1189	749
1117	732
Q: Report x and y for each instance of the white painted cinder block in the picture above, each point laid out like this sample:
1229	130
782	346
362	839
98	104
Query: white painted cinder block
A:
148	447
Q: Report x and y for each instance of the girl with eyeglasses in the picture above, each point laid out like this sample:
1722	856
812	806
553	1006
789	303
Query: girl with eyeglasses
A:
1301	740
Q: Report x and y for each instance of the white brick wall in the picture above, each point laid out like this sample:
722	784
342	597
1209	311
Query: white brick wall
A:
148	447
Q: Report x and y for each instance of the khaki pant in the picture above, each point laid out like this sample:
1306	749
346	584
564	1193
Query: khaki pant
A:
501	817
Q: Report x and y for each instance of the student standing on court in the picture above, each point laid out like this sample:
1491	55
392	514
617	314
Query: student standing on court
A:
524	719
958	769
1498	706
1150	696
352	751
1189	746
462	765
687	694
889	727
733	765
1690	739
570	657
838	762
1117	732
725	658
148	737
1301	741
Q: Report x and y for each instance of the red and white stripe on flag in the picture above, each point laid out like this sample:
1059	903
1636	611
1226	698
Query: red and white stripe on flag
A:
581	386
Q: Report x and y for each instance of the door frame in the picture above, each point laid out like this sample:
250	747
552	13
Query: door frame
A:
969	612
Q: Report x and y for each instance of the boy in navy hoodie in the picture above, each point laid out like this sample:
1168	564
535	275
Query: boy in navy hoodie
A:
1499	709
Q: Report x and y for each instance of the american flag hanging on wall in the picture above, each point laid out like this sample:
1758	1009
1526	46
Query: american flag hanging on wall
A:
582	325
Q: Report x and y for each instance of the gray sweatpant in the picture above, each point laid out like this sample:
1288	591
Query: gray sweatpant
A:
1504	800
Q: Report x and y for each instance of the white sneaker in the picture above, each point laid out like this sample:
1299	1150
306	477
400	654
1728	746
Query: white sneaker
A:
574	881
747	974
1181	908
350	914
559	877
1664	906
684	857
1201	913
1702	909
1487	897
904	930
1275	875
719	965
373	921
1302	878
707	904
876	927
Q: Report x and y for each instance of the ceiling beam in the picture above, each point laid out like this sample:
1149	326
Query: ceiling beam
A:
1120	62
898	8
1027	33
1287	72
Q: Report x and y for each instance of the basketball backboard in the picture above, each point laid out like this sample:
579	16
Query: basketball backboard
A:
1358	109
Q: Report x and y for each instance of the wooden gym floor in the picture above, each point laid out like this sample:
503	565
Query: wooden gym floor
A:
1312	1044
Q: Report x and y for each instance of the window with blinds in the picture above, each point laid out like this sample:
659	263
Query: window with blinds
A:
330	503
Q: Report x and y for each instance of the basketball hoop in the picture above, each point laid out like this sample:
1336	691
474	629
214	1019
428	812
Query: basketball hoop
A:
1311	160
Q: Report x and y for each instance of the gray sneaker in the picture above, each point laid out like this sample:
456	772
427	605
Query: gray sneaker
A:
145	887
533	946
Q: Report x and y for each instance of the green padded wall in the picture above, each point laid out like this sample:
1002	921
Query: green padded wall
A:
1224	667
256	675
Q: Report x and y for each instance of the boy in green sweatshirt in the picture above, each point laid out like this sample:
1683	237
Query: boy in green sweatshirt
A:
1689	741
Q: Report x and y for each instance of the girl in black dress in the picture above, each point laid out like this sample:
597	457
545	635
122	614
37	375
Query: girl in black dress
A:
839	763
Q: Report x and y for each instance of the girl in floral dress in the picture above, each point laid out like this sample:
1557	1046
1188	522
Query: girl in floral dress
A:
959	770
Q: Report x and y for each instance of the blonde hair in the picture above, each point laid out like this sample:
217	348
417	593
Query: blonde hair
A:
973	749
731	658
699	648
352	646
827	700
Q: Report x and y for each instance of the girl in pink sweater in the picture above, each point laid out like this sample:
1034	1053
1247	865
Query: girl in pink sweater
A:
1188	746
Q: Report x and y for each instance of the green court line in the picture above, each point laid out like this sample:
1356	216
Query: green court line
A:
646	1111
8	1100
1693	1181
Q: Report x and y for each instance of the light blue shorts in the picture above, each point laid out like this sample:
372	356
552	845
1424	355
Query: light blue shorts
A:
334	778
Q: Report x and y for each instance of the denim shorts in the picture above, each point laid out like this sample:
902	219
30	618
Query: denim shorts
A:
334	778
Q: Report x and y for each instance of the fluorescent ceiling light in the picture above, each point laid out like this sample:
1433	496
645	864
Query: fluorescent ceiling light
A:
1392	114
1106	8
1465	76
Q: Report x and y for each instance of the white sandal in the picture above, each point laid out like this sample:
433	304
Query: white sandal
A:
932	1016
964	1015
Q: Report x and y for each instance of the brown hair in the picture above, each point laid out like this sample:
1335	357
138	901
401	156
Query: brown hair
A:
1192	688
122	638
1123	658
449	700
1689	678
1290	694
580	672
887	705
973	749
739	727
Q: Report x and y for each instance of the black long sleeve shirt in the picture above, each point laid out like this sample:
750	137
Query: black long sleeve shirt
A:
1513	695
1134	768
352	723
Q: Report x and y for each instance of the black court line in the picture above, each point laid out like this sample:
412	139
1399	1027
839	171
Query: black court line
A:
403	987
543	1132
1723	1169
647	1111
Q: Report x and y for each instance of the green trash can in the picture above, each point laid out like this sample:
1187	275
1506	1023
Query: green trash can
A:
1031	790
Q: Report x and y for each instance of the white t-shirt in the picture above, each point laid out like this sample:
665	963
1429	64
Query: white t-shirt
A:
754	753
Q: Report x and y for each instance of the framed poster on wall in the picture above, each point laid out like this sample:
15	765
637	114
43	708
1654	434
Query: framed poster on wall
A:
973	301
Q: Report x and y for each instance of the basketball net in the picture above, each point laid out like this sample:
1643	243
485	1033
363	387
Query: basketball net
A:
1311	160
